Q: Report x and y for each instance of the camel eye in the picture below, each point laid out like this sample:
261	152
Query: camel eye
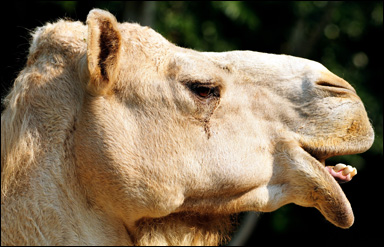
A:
203	92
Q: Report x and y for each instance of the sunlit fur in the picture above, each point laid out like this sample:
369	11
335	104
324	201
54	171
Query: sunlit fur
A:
104	140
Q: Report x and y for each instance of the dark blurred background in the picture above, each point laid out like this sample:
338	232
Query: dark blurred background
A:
347	37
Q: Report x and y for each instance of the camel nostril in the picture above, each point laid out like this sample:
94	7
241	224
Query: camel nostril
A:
328	84
336	84
330	81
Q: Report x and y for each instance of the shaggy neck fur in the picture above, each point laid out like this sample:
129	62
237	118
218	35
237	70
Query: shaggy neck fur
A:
184	229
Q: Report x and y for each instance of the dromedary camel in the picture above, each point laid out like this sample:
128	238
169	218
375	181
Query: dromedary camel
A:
112	135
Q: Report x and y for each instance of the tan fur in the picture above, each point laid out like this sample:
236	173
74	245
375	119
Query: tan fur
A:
111	135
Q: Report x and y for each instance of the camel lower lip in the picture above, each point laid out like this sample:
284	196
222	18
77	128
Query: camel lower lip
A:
334	204
327	195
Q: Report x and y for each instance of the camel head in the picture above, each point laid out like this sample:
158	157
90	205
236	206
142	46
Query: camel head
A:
117	133
166	129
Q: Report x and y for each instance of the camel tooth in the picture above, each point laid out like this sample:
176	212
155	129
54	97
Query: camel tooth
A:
347	170
354	172
339	167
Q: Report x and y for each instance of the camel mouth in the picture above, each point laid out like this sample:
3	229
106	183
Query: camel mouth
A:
340	172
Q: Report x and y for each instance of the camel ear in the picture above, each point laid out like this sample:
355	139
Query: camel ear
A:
103	51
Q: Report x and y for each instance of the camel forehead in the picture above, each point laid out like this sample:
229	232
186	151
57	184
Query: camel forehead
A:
132	32
269	64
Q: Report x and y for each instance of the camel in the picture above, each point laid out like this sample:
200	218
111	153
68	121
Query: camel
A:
112	135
